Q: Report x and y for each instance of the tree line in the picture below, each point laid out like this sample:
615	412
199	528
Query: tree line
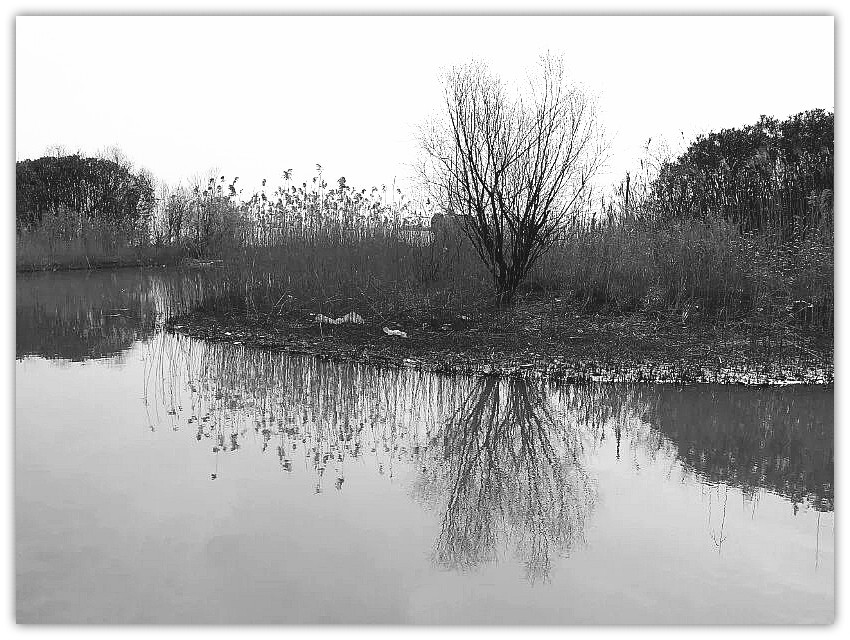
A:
81	191
771	174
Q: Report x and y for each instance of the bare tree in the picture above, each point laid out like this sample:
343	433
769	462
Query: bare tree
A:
512	167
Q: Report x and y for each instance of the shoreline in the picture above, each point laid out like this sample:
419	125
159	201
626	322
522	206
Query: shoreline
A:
99	265
95	266
588	357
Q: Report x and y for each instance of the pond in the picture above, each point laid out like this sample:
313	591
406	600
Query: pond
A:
162	479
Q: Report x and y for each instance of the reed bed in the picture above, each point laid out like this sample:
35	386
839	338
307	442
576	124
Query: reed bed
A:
706	269
701	267
96	244
297	250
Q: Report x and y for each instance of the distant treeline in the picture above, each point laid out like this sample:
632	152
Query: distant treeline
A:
86	190
773	173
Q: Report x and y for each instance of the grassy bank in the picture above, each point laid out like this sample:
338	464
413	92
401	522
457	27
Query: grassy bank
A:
626	301
704	269
43	250
655	284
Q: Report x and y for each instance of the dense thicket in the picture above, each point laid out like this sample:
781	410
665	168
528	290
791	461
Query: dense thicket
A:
770	174
89	189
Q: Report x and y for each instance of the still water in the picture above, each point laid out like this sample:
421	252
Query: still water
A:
162	479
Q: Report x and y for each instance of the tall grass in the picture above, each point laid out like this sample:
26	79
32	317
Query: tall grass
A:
693	265
383	274
62	242
311	248
704	268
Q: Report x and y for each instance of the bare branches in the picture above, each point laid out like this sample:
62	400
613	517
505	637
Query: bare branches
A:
511	166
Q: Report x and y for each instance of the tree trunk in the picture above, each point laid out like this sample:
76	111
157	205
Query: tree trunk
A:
504	298
505	289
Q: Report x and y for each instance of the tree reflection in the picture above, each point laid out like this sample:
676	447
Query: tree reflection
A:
509	472
503	462
82	315
776	439
491	456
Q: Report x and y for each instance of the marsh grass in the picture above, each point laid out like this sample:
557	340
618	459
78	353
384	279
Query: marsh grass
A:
54	245
686	269
312	249
705	268
382	274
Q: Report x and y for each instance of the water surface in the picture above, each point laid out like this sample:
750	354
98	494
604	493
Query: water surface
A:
164	479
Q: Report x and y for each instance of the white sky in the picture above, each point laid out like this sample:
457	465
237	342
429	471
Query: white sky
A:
252	96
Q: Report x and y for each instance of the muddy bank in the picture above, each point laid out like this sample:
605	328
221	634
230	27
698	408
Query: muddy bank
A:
118	263
90	266
96	264
572	347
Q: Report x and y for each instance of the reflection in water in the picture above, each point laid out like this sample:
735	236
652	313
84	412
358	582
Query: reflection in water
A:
489	455
272	478
779	439
508	469
64	316
502	461
783	442
96	314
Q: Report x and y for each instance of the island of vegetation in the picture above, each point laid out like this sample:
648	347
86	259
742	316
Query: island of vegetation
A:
712	266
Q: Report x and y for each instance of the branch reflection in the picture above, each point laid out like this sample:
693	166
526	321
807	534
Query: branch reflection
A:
503	462
512	473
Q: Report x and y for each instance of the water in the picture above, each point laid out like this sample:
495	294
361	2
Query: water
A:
162	479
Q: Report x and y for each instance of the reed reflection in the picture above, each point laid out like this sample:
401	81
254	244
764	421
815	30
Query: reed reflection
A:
80	316
490	456
503	462
76	317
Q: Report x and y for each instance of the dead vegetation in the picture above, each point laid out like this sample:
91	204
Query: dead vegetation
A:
543	338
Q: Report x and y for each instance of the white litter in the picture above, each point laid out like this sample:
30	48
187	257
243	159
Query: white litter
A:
394	332
353	318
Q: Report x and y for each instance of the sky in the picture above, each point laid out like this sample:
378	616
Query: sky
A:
254	96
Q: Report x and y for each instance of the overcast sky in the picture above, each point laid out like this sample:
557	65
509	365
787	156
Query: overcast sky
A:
254	96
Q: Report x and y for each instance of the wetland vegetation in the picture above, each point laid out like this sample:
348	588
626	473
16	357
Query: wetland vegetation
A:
716	265
541	376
